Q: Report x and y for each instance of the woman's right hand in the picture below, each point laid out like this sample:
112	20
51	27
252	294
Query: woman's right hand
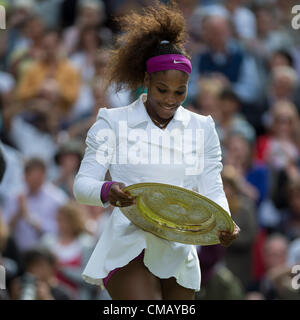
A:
119	198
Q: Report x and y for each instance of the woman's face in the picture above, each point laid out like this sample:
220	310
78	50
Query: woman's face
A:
166	92
238	152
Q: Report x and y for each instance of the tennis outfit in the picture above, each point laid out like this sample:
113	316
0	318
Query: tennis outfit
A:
126	154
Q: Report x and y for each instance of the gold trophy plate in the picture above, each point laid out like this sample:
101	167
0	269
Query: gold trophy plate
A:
177	214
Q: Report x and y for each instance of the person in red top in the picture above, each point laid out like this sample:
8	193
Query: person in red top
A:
70	246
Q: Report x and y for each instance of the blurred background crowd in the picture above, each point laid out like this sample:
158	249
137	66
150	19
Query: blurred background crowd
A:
246	75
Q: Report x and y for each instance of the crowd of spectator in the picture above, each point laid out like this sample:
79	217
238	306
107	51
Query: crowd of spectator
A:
246	75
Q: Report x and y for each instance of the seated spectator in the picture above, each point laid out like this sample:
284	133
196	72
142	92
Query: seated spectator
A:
238	256
277	148
78	128
281	58
72	246
85	52
52	79
36	136
282	86
276	282
254	182
243	19
195	43
32	213
83	59
284	83
38	281
277	213
231	121
20	12
90	13
68	159
269	38
20	59
206	100
225	56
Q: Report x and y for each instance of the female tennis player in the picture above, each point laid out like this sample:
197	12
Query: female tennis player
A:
130	262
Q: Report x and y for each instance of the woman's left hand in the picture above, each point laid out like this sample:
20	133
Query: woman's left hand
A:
226	237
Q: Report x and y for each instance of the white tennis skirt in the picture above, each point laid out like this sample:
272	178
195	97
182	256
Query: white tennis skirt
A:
121	241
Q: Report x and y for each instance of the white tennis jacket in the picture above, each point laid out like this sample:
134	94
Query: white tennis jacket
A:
127	143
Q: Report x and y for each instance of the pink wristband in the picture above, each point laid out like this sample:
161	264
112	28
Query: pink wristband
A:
105	190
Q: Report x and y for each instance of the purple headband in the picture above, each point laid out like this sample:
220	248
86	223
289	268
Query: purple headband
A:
169	62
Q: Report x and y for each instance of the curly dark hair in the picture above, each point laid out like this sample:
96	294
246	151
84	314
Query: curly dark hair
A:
141	40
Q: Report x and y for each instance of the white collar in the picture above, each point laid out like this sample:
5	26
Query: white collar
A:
138	113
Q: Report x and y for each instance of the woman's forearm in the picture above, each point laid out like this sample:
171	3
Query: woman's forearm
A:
88	191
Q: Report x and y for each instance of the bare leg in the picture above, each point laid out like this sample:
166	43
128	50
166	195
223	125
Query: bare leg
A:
171	290
134	282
